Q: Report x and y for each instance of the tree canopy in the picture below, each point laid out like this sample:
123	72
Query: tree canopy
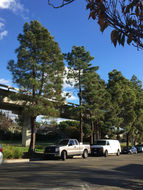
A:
38	71
78	62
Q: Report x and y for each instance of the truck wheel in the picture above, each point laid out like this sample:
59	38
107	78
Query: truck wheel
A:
118	153
85	154
106	153
64	155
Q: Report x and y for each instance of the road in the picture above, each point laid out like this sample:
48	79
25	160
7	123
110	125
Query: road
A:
93	173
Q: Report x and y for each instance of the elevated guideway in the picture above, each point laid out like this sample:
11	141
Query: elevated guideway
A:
67	110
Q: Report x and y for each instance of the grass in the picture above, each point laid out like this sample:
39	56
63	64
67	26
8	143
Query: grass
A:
14	150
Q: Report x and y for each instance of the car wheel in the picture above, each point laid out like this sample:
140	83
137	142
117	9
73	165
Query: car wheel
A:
64	155
1	157
118	152
106	153
85	154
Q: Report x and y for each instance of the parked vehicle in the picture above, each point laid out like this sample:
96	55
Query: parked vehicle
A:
129	150
139	147
67	148
106	147
1	154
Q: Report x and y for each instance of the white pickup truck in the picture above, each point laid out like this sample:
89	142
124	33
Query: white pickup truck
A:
67	148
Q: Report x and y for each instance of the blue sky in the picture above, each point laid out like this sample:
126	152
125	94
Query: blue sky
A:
70	26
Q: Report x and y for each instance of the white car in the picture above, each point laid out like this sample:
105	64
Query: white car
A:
1	154
106	147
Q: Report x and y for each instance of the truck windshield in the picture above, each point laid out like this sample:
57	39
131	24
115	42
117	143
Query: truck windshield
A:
100	143
63	142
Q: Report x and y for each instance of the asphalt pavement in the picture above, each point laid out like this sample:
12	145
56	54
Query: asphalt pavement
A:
93	173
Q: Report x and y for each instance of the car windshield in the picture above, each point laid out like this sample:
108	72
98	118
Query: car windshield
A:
100	143
63	142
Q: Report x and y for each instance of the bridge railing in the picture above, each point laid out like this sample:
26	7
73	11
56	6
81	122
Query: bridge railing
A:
8	87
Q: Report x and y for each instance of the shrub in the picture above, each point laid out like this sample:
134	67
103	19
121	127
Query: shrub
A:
11	152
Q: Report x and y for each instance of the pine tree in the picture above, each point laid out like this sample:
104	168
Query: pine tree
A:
78	60
137	132
38	71
123	100
95	100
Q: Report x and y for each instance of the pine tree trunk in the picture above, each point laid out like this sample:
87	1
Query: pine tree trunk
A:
81	128
118	136
80	103
92	133
33	135
96	130
127	139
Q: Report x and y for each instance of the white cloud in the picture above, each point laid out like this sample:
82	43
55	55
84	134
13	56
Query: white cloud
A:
68	89
13	5
1	25
5	4
4	81
16	7
72	97
3	34
69	96
65	84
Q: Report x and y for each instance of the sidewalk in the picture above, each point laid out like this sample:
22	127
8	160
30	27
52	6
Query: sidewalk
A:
15	160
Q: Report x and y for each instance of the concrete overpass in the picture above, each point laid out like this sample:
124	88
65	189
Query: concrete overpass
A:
68	111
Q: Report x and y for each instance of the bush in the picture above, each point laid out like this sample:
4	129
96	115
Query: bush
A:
11	152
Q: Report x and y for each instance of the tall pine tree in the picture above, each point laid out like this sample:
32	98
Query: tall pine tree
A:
78	60
39	71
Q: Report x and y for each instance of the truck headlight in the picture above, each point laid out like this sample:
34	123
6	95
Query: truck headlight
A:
56	149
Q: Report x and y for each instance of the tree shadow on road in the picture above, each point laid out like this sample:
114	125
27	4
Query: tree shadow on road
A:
71	175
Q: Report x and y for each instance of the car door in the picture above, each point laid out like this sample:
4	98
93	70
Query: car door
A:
78	149
71	147
109	148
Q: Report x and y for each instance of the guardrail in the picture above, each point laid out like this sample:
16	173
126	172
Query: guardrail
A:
8	87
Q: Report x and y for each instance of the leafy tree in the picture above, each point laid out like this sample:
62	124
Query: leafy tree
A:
78	61
72	129
125	17
5	122
38	72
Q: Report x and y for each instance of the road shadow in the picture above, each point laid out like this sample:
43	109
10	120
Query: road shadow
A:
127	177
70	175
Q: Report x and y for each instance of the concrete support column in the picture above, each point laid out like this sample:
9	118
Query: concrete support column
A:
26	130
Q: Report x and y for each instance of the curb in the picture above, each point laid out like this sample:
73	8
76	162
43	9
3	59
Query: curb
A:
16	161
